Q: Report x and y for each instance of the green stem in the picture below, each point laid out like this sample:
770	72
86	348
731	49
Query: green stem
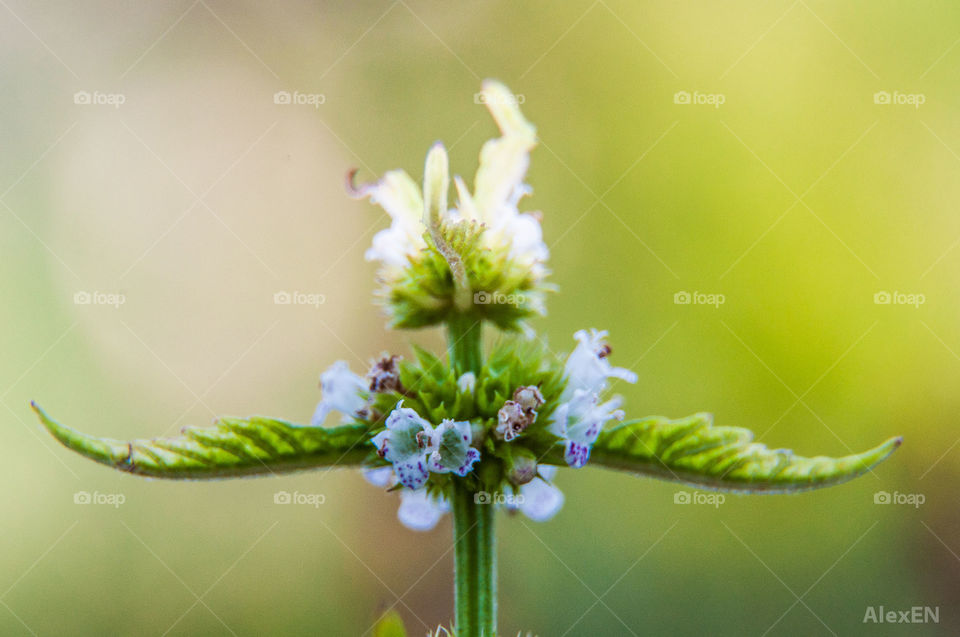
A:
475	548
464	343
475	565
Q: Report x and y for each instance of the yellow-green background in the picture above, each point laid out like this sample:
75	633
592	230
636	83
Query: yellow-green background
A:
692	198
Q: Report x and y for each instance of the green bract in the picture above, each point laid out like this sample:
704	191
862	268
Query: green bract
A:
500	290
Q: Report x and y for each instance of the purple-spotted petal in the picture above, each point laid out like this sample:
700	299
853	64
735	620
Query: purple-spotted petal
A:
405	443
451	448
579	422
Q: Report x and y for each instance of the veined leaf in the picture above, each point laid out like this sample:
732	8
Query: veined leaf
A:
693	451
231	447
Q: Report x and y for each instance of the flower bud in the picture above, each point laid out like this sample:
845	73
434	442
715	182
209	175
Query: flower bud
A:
521	466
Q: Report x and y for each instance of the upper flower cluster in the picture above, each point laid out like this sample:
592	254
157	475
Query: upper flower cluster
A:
482	257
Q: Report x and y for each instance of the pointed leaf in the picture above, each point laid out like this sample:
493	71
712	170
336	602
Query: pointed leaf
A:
232	447
693	451
390	625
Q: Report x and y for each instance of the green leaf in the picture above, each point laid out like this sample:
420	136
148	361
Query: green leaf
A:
693	451
390	625
232	447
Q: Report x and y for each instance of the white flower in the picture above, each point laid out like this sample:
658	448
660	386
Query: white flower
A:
452	452
579	422
405	444
419	511
539	500
415	448
581	416
587	367
498	188
343	391
400	197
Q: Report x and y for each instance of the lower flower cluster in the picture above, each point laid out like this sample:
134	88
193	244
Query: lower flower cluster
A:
491	428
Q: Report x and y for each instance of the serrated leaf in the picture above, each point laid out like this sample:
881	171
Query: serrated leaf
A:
693	451
231	447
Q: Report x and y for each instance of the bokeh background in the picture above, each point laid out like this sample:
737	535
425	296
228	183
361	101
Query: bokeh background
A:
798	199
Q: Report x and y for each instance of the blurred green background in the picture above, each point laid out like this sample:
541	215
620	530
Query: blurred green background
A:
197	198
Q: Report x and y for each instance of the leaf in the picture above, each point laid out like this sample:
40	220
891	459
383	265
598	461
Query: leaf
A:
693	451
232	447
390	625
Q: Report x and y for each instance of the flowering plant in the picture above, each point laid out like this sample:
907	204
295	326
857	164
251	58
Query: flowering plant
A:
480	427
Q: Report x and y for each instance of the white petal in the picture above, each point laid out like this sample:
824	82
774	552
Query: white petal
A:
342	391
503	161
579	421
436	183
541	501
380	477
404	443
396	193
452	451
419	511
587	369
547	471
467	383
466	208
